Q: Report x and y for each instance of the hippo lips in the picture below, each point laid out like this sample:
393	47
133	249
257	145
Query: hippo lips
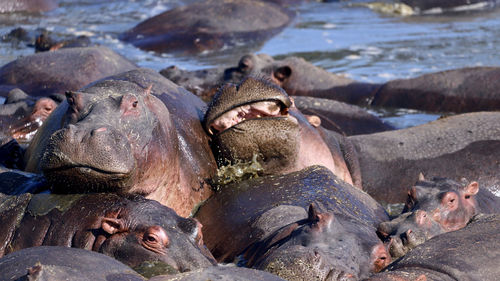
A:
85	170
249	111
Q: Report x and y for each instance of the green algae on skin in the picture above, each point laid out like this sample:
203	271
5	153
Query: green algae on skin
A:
150	269
42	204
236	172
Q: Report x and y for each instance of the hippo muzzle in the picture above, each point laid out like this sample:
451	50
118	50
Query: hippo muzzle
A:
101	157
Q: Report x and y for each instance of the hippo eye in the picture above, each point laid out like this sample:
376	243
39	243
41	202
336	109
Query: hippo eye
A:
467	196
135	103
155	239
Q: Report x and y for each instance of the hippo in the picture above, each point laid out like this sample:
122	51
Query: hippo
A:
133	230
63	263
429	6
241	213
300	78
28	6
16	182
66	70
44	42
322	247
470	253
243	220
199	27
256	117
409	230
136	132
221	273
341	117
459	90
460	146
22	115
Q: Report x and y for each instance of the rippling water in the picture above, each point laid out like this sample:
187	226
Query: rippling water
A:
341	37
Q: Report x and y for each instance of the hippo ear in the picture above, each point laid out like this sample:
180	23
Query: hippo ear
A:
147	91
113	225
320	220
421	177
314	120
471	189
282	73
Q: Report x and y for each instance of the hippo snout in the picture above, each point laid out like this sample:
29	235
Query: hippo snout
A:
99	154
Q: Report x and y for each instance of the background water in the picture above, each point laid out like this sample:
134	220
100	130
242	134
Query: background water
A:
341	37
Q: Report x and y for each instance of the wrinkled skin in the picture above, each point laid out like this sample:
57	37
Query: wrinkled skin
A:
28	6
459	90
461	146
257	118
322	247
199	27
467	254
408	231
132	133
57	72
62	263
243	213
133	230
220	273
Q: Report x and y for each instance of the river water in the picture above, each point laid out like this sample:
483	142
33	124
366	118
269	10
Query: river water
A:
342	37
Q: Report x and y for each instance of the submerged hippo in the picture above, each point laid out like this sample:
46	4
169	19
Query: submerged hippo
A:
423	6
133	230
63	263
259	212
470	253
209	25
256	119
43	74
29	6
459	90
461	146
136	132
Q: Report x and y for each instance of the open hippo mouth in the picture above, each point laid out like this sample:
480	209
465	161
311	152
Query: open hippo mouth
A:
249	111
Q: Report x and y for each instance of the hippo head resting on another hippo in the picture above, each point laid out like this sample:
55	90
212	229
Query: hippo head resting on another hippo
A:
110	129
257	118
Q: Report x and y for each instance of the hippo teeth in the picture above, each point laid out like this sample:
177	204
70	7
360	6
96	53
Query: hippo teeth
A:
247	112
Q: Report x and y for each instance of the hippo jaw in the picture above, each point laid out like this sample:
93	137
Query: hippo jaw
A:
249	111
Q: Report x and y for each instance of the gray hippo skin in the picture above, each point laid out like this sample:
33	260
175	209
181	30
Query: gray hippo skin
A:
242	213
63	263
425	5
220	273
200	27
257	119
69	69
28	6
461	146
458	90
470	253
133	230
325	246
136	132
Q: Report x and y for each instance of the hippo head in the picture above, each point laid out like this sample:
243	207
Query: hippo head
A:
448	202
407	231
152	238
114	135
317	248
252	119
